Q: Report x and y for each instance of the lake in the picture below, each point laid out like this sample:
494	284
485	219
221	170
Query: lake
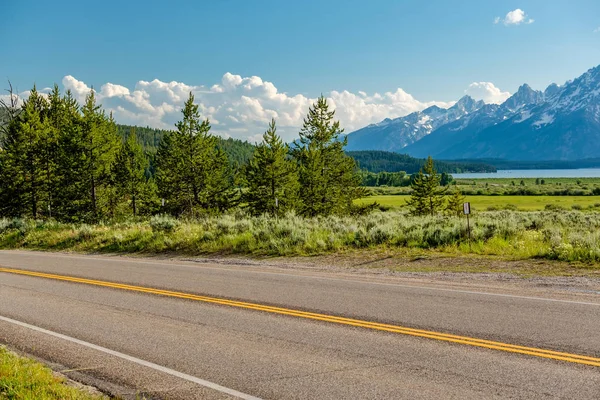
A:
534	173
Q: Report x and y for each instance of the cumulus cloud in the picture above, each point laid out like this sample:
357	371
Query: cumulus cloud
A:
486	91
241	107
514	17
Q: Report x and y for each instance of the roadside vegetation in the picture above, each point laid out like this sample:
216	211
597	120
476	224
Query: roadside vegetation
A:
25	379
566	236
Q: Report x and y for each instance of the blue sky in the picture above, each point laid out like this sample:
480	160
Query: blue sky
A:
432	50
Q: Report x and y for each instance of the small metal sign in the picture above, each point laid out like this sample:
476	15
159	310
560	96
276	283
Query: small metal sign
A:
467	208
162	202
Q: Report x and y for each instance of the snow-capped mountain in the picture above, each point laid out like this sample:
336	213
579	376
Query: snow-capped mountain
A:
442	141
395	134
560	123
564	126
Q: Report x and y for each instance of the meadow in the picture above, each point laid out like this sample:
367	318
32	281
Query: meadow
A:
512	187
555	235
491	203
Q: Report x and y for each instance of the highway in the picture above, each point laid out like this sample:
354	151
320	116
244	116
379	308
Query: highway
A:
187	330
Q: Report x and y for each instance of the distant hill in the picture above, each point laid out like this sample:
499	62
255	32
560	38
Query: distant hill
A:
238	151
385	161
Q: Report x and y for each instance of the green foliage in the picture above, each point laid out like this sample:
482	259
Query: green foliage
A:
129	174
271	177
426	197
327	176
89	145
193	175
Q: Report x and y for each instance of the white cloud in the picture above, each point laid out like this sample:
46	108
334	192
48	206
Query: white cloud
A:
486	91
515	17
241	107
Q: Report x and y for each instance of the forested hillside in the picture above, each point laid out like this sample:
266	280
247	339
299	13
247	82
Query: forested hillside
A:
238	151
385	161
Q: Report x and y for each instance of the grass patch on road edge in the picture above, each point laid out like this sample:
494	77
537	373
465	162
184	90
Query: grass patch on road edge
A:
24	379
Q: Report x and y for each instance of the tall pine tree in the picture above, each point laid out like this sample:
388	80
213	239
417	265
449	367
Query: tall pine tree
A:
192	172
271	177
129	172
22	164
87	157
327	176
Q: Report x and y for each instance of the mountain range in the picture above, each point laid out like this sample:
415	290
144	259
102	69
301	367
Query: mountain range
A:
560	123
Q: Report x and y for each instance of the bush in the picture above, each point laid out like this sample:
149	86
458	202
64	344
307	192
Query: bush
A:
163	223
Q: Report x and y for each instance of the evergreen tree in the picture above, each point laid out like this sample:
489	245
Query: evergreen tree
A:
129	171
271	177
22	159
57	120
71	196
328	177
87	157
455	203
426	197
193	174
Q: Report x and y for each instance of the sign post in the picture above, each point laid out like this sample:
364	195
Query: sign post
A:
467	212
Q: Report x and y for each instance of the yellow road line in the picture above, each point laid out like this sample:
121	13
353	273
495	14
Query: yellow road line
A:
489	344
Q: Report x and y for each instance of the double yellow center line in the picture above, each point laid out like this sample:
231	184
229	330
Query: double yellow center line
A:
488	344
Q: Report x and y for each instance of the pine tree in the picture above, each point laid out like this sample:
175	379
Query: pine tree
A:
271	177
129	171
455	203
86	159
71	195
22	159
57	120
328	177
426	197
192	172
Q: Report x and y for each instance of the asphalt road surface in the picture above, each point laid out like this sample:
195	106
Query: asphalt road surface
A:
232	331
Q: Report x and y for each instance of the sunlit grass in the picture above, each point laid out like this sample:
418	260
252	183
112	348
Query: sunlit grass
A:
25	379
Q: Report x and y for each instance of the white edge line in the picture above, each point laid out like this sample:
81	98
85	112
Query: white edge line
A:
135	360
324	278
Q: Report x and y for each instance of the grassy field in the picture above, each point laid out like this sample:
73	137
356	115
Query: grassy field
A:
482	203
516	186
25	379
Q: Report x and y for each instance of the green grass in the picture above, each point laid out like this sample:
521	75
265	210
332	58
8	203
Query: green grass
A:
25	379
512	187
482	203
